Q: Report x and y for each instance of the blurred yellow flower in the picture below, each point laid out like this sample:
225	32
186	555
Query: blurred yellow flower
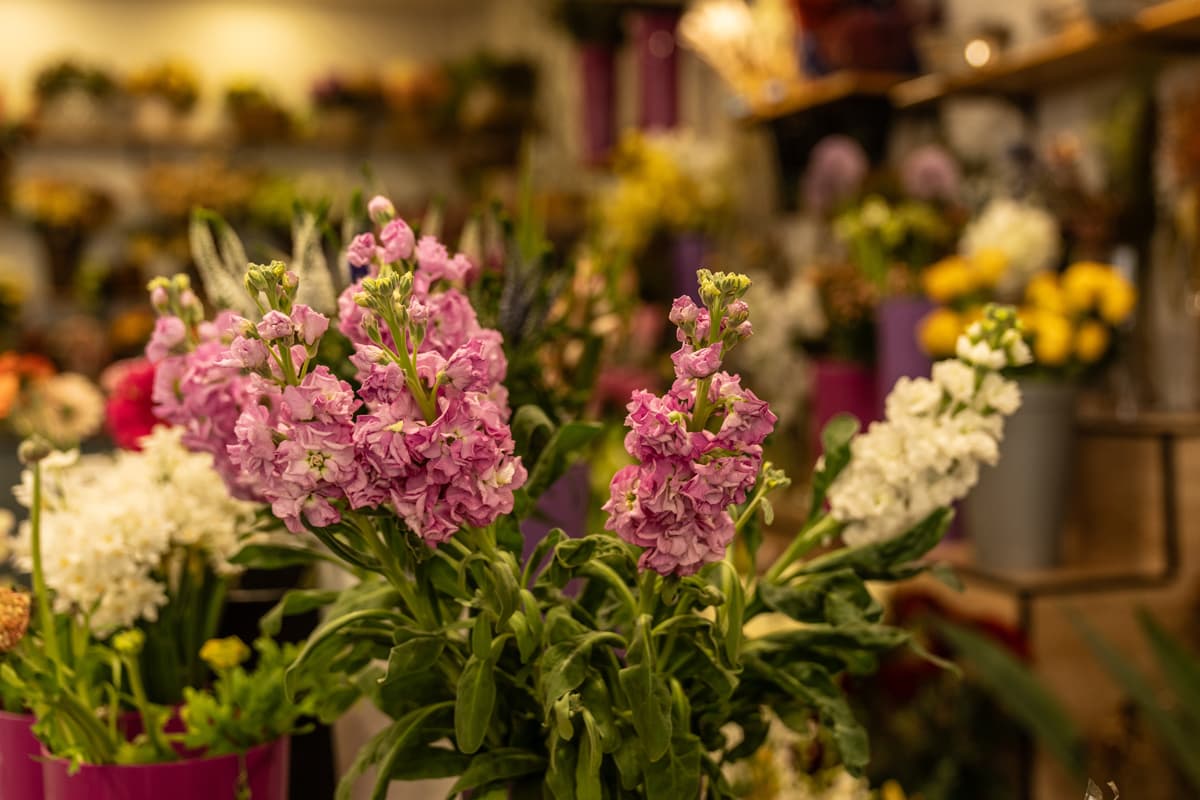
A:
892	790
1117	299
989	264
947	280
1091	341
1043	291
1083	283
227	653
1052	339
938	332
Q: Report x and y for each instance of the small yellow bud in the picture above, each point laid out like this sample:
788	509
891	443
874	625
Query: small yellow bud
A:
129	643
222	654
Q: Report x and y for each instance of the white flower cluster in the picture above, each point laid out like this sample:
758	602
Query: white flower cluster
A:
113	527
926	454
65	409
1028	237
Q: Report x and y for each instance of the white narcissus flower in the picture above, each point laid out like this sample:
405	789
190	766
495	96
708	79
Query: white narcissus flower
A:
109	524
927	453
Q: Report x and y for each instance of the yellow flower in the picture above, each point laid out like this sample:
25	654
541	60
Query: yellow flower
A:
1052	341
222	654
1091	341
1117	299
938	332
1045	292
1082	284
947	280
892	790
989	265
129	643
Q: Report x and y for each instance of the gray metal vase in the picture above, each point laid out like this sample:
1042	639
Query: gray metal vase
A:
1015	513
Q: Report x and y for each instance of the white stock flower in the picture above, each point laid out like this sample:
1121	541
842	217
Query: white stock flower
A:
110	524
926	454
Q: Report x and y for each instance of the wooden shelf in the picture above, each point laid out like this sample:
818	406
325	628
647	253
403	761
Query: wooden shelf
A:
1080	52
816	93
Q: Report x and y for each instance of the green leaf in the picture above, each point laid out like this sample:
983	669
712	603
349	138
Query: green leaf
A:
560	777
475	703
530	427
272	556
587	768
297	601
499	765
564	666
415	655
481	638
1178	666
676	773
881	560
500	590
650	707
405	734
730	615
331	635
836	597
553	461
836	439
425	763
546	545
519	626
1019	693
628	758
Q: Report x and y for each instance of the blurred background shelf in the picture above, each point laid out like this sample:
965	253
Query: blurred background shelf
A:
1080	52
816	93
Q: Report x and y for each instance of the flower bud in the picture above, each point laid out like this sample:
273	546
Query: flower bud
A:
33	450
380	209
130	642
223	654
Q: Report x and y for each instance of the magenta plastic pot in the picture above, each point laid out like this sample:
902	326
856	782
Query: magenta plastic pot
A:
841	387
597	73
657	68
266	769
20	774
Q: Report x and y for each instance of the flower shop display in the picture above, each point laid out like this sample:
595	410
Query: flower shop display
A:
491	105
74	102
1026	235
666	183
413	470
64	213
890	243
837	169
844	352
129	556
596	32
164	94
417	96
36	399
256	116
345	107
1070	321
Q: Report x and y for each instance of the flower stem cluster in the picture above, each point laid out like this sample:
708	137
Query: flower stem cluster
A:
928	451
699	447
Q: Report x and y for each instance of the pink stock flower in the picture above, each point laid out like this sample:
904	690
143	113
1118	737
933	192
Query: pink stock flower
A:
169	333
380	209
675	502
397	241
309	324
275	325
361	250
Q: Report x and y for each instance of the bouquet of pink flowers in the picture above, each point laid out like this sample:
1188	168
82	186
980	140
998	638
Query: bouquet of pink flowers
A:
641	678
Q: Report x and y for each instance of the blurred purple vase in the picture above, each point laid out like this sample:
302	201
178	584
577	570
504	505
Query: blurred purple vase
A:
688	254
564	505
898	354
20	774
840	387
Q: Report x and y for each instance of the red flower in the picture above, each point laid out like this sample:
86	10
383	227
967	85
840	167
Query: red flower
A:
129	413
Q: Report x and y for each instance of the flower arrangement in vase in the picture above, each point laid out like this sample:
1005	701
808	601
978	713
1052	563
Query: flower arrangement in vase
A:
415	473
1070	321
130	556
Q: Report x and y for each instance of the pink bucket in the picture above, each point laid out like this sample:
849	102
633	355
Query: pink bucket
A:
840	387
20	774
194	779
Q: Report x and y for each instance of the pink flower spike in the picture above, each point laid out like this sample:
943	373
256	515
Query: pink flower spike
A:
397	241
275	325
361	250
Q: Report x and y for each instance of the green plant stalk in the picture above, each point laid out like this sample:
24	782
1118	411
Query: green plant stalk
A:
142	704
805	541
45	614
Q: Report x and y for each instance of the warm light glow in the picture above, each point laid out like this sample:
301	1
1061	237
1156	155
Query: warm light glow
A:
977	52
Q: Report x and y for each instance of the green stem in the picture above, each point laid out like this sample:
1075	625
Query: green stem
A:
142	704
601	571
45	613
647	596
805	540
750	508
